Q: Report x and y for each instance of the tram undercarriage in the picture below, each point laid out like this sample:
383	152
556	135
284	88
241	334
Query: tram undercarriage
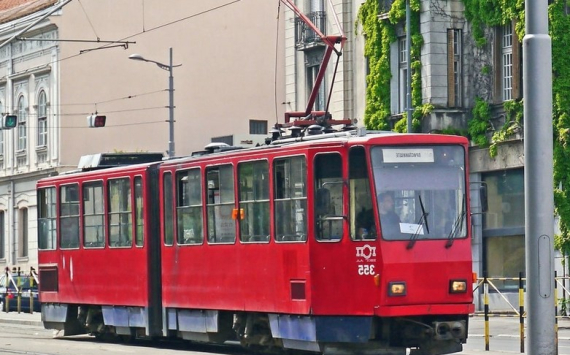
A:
270	332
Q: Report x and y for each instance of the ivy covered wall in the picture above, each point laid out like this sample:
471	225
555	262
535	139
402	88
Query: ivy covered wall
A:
482	16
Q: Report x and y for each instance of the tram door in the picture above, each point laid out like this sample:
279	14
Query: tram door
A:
328	196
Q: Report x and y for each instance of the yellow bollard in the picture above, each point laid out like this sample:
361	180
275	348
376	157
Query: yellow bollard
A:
486	301
19	294
521	311
7	283
31	294
555	314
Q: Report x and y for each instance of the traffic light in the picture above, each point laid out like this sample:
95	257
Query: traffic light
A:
9	121
95	121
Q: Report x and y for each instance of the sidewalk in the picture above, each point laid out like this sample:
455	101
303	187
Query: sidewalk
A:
498	327
34	319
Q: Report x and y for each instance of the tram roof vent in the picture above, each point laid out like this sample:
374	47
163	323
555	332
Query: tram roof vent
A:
109	160
216	147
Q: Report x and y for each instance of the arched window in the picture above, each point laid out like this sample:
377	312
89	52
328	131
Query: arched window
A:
22	129
42	119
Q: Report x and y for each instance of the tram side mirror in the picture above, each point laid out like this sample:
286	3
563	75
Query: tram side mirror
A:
483	197
322	201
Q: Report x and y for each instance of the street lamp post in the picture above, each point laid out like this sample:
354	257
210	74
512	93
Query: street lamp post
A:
170	96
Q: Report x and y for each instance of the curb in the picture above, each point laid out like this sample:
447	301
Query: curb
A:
12	320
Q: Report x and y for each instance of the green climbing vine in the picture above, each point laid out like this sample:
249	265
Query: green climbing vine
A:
560	36
379	36
481	14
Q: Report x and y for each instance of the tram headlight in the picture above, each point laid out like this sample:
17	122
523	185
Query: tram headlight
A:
457	286
397	289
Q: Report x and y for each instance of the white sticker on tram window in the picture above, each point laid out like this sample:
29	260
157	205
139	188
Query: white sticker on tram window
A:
424	155
411	228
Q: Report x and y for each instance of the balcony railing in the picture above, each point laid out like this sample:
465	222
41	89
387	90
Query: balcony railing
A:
304	35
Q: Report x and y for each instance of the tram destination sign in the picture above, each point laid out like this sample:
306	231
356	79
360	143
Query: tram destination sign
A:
407	155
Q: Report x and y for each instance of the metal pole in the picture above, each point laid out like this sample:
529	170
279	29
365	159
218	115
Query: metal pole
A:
408	68
538	185
171	109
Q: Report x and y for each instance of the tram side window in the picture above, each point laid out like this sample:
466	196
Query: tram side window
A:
221	204
189	207
120	213
47	218
168	210
69	212
93	215
290	196
362	225
328	202
139	212
254	201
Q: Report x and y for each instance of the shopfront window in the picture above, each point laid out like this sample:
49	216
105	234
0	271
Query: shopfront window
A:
503	228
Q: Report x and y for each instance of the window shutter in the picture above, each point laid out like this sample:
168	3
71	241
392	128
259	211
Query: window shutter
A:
497	67
450	69
517	74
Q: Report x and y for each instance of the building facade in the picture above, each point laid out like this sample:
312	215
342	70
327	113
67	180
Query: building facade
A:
466	79
61	61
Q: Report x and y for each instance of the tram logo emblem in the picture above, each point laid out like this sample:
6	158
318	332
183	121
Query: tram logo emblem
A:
365	252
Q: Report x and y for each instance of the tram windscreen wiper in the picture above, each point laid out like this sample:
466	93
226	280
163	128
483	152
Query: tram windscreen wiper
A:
457	225
423	220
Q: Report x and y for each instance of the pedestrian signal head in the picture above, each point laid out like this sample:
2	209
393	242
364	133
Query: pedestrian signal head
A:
9	121
95	121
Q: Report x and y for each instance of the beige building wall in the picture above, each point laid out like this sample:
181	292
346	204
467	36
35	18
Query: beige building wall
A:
231	72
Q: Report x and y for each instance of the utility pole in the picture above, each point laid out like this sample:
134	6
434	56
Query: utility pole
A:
170	121
538	184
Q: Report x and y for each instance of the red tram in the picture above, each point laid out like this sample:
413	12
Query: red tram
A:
340	241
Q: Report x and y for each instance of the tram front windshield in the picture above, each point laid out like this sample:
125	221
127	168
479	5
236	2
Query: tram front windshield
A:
420	191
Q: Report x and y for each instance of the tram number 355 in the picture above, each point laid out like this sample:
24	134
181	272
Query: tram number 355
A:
366	270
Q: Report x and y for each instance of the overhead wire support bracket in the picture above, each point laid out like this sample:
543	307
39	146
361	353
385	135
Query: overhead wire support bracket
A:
73	40
124	44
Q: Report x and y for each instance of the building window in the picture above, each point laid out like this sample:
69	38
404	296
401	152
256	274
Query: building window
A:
221	203
454	70
120	213
22	128
312	73
257	127
42	119
503	227
23	233
507	62
384	6
229	140
402	74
